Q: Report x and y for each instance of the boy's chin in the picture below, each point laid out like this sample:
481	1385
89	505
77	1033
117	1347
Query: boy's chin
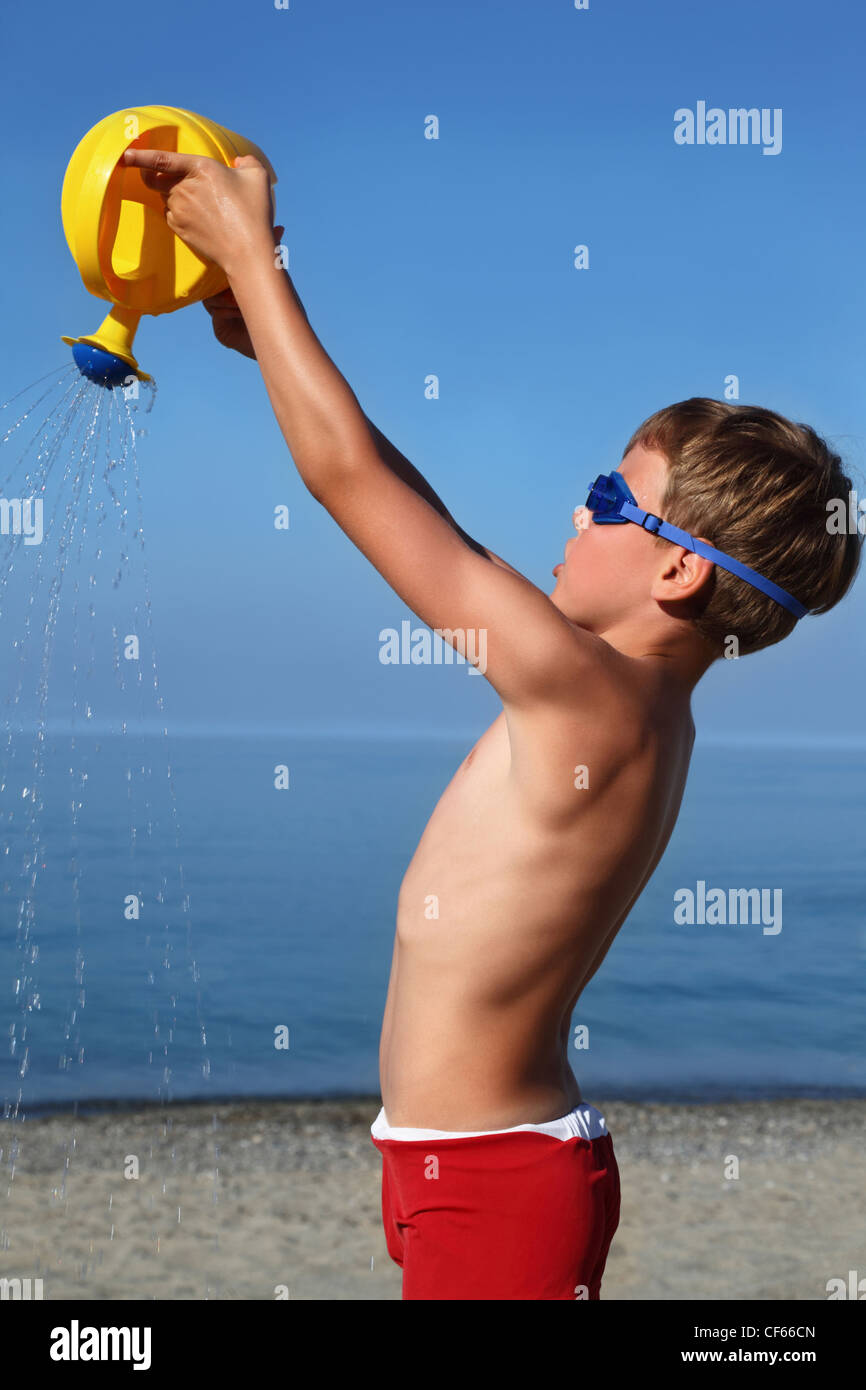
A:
570	610
560	599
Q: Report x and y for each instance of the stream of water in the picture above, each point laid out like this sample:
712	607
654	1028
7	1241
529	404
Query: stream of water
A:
75	603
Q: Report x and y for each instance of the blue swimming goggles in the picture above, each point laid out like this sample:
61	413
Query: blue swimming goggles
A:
611	501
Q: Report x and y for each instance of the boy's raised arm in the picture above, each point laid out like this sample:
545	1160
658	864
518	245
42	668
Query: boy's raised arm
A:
531	651
230	330
399	464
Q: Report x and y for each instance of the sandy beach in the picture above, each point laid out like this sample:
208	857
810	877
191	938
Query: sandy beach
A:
234	1200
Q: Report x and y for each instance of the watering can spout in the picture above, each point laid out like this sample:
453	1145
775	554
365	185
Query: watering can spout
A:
106	355
116	229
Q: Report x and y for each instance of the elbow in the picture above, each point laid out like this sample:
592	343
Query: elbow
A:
327	482
334	471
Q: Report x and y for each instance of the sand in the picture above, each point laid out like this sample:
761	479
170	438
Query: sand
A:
297	1201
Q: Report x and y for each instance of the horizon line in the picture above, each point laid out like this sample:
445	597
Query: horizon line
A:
185	729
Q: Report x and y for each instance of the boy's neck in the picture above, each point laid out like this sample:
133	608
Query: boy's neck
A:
676	653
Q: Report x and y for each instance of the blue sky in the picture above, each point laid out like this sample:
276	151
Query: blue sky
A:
454	257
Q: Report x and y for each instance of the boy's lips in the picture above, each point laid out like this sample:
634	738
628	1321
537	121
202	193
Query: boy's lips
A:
556	568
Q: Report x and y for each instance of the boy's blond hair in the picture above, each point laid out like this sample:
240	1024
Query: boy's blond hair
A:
756	486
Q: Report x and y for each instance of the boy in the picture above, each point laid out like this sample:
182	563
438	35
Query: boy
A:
499	1181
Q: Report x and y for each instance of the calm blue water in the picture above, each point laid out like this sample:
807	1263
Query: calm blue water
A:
292	898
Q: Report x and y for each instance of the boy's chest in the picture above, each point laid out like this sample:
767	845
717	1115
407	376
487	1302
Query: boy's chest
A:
490	755
469	810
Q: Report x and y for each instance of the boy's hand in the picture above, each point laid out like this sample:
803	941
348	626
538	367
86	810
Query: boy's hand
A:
228	321
222	214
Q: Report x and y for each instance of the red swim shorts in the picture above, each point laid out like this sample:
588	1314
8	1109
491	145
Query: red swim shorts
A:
522	1213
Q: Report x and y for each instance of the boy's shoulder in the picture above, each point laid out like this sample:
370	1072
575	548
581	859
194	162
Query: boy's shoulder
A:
618	711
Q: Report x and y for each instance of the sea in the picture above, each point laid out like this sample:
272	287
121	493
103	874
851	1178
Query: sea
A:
212	917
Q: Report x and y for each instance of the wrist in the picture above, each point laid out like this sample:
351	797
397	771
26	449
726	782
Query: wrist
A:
252	260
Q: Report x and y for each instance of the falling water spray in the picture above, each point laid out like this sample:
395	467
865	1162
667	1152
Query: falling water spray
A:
76	461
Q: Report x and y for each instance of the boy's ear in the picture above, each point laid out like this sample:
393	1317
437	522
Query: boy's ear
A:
684	579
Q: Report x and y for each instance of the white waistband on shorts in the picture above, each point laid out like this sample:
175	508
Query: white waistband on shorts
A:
583	1122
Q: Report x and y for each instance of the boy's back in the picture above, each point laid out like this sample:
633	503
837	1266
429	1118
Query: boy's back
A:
526	869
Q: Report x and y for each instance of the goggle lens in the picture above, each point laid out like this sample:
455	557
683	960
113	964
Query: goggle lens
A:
603	496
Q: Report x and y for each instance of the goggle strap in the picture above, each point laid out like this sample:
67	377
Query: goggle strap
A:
718	557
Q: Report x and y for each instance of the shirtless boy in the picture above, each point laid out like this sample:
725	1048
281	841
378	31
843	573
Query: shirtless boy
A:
499	1181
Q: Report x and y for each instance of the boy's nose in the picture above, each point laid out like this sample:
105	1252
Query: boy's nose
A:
580	518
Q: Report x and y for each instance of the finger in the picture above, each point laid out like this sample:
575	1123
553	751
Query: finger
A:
225	296
225	300
225	315
161	183
171	162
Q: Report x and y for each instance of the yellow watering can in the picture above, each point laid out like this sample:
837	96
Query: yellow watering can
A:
116	229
